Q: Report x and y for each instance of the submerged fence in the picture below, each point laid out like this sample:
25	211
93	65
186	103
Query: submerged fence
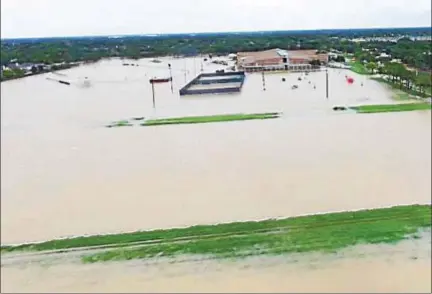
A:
214	78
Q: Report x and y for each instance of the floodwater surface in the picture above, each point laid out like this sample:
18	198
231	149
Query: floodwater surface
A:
404	268
64	173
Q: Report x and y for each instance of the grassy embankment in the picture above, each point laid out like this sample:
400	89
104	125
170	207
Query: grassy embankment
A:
358	67
325	232
391	107
198	119
403	93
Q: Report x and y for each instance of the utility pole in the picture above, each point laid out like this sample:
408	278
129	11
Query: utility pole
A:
153	93
185	71
327	84
263	80
171	79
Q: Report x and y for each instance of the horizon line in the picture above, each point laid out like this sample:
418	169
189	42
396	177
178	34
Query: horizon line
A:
213	32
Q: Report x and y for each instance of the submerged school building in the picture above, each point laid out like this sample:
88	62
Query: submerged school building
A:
279	60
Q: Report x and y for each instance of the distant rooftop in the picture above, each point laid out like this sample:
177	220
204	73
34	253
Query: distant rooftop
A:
249	57
256	56
282	52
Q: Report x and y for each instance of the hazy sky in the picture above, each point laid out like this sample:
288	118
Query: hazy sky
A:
40	18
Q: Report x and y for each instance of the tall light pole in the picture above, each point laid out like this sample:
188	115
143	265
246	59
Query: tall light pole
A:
171	79
153	93
327	84
263	80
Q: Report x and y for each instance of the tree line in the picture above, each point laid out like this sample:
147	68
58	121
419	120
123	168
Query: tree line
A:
415	54
413	81
49	51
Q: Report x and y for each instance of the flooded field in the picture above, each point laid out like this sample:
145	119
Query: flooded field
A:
64	173
404	268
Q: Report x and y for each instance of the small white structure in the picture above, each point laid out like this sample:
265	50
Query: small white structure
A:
384	55
232	56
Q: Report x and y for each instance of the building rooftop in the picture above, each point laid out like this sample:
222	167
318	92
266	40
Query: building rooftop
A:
249	57
274	53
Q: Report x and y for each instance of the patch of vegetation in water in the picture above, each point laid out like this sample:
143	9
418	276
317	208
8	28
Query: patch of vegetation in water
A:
210	118
391	107
401	96
323	232
120	123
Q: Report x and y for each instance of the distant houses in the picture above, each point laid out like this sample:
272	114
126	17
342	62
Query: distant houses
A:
15	69
26	67
392	39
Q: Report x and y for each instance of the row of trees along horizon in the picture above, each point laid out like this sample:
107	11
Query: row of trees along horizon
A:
51	51
415	54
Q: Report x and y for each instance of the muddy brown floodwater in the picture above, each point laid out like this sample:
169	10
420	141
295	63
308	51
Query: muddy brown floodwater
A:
404	268
65	174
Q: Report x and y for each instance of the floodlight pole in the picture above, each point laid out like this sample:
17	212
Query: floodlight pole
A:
327	84
185	70
171	79
153	93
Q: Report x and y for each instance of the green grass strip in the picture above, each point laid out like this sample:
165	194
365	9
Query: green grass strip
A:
120	123
391	107
210	118
328	233
325	231
358	67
